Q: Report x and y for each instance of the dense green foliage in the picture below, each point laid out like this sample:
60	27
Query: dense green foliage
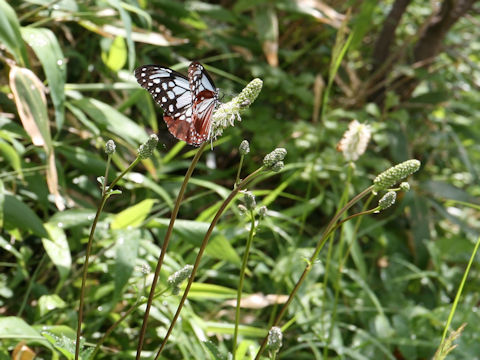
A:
382	287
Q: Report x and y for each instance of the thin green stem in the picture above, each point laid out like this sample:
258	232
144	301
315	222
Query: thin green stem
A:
220	211
104	185
240	282
84	275
166	240
237	179
105	196
328	230
459	293
341	203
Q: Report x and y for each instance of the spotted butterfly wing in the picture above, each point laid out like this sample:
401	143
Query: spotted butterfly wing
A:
187	102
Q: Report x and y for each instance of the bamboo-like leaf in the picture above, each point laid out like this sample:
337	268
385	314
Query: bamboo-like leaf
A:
46	47
134	215
10	34
18	215
29	94
113	120
58	250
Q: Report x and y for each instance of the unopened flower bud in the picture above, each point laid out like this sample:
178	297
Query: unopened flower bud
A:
249	200
395	174
146	149
178	277
275	337
244	148
278	166
110	147
405	186
387	200
262	211
275	156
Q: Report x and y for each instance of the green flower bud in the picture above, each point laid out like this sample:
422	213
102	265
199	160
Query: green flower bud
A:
275	336
395	174
146	149
249	199
405	186
110	147
275	156
262	211
178	277
242	208
387	200
227	113
278	166
145	269
244	148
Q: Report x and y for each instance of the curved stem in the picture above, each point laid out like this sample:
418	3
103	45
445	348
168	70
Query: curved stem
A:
220	211
166	240
240	282
329	229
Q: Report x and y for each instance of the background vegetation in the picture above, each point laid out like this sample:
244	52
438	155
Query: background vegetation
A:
382	290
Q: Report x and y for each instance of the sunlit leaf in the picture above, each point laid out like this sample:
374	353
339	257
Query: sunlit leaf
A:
116	57
58	249
10	33
48	51
126	250
134	215
109	118
18	215
12	327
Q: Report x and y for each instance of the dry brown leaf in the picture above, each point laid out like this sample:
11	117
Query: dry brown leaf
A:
322	12
23	352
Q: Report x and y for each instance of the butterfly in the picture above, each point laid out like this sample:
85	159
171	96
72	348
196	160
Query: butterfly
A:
188	101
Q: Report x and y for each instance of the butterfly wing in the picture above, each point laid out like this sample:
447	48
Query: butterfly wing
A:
171	90
204	99
187	105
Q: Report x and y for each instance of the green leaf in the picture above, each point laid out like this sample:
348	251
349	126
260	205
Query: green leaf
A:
109	118
83	160
212	292
46	47
11	155
116	57
73	217
133	216
219	248
47	303
127	25
20	216
191	231
10	34
58	250
12	327
126	249
66	346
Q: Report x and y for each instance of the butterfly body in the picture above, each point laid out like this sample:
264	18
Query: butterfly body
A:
188	102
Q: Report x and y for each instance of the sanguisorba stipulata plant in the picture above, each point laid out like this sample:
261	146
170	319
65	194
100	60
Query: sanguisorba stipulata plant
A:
382	183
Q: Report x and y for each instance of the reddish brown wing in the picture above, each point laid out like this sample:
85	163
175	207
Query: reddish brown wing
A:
187	103
204	98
